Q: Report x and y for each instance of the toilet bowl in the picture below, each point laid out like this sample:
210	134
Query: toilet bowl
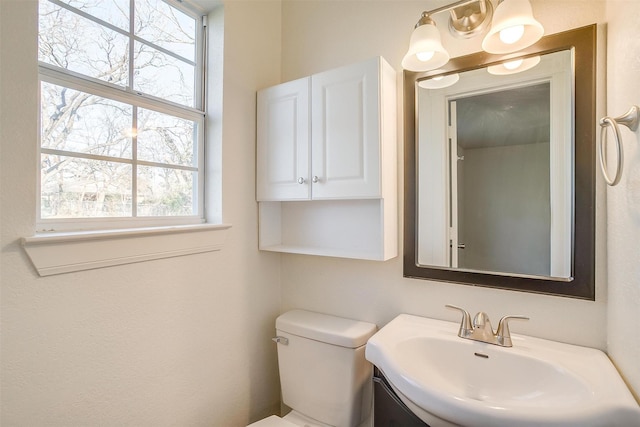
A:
324	375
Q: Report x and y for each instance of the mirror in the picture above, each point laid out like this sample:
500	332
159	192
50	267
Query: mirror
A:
500	169
488	198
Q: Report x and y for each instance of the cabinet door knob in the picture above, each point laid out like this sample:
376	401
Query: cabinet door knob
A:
301	180
315	179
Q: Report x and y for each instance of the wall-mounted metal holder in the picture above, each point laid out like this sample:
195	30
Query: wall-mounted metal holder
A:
630	119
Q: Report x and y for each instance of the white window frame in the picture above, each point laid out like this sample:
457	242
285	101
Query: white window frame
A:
62	77
121	241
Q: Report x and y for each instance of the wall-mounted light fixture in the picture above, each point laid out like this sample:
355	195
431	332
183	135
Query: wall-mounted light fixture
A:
425	48
513	28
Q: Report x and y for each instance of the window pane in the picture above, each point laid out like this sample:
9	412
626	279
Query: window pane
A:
115	12
166	139
77	121
165	192
163	76
72	42
81	188
94	163
166	26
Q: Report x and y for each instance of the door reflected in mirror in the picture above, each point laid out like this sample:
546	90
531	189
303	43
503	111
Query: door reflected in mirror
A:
495	170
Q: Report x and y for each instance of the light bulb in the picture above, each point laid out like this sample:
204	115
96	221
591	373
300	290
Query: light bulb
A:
510	35
425	56
512	65
439	82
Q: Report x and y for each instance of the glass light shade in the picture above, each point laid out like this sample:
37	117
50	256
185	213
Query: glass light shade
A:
511	35
513	67
425	40
439	82
509	15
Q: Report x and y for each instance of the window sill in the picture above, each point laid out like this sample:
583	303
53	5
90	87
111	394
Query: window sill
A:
57	253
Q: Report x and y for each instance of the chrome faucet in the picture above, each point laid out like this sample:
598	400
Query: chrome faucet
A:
481	330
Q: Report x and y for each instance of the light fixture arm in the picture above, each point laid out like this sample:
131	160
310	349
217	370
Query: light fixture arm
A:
465	22
483	6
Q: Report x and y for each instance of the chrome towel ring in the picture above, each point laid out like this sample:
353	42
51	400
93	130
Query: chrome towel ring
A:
630	119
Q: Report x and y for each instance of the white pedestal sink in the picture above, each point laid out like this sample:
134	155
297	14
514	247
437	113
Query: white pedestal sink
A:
448	381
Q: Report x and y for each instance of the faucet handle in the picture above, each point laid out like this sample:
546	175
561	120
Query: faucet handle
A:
465	324
503	334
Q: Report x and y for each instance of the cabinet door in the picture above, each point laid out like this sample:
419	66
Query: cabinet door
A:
346	132
283	138
389	410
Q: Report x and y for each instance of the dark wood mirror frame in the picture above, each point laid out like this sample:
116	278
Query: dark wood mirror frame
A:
582	41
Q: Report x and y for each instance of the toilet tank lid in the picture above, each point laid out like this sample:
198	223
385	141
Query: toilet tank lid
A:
326	328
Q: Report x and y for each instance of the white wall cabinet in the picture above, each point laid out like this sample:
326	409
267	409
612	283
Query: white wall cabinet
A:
326	177
319	137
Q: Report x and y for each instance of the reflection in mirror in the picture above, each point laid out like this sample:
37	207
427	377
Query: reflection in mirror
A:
498	201
500	190
499	170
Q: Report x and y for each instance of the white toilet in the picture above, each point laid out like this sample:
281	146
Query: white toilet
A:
324	376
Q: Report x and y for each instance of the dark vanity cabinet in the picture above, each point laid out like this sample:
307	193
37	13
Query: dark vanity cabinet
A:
389	410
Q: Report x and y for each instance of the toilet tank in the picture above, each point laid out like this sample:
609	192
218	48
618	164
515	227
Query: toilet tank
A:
323	372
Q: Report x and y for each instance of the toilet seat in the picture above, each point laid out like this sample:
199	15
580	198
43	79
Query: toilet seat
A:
292	419
272	421
299	420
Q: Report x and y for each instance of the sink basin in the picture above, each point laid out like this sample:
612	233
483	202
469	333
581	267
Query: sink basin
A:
447	380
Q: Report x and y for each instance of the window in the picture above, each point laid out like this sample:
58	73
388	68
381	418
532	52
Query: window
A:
122	118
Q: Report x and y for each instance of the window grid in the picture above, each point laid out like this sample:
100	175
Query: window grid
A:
69	79
117	29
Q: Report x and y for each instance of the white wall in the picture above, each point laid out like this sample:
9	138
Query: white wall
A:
181	341
623	201
318	35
